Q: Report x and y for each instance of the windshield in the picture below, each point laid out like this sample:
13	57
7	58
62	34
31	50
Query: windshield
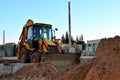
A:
48	33
42	32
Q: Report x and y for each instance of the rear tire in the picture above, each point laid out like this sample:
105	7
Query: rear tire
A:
24	57
36	57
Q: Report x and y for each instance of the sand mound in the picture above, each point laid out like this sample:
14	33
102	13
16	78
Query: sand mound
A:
38	71
107	61
105	65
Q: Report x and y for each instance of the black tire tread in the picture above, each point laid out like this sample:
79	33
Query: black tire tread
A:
26	59
38	55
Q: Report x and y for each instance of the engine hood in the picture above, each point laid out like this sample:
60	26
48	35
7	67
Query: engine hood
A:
46	45
47	42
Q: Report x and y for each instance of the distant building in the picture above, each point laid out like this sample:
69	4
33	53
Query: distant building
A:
91	46
76	48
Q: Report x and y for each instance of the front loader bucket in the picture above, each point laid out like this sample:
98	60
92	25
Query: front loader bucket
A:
62	61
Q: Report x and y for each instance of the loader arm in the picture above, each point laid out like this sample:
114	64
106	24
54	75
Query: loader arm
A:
23	37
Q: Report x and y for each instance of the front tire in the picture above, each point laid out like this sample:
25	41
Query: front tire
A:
36	57
24	57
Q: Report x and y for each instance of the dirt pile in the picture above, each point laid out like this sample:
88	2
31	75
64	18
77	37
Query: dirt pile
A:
38	71
105	65
107	61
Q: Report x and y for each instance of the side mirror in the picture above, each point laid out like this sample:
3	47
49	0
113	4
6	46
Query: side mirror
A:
56	29
54	37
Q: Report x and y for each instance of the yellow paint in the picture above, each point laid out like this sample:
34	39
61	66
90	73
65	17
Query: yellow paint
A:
27	46
49	42
29	22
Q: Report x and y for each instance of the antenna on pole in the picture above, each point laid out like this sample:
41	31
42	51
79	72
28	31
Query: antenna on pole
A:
3	37
69	24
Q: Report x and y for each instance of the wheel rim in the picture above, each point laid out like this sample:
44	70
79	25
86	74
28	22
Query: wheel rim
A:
23	57
34	59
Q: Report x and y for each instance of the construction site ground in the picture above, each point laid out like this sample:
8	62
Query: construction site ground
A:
104	66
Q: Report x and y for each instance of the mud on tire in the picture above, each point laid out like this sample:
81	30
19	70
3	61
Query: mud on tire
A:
35	57
24	56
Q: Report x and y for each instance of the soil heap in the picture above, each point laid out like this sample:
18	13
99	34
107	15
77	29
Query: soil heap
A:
36	71
105	65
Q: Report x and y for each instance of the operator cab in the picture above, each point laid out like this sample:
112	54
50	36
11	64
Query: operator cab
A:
39	31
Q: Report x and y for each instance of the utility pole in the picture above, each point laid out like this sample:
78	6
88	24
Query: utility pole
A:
3	37
69	24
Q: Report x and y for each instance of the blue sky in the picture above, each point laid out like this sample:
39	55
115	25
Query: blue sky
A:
95	19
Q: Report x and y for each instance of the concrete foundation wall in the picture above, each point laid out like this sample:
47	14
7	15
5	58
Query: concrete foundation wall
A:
2	51
11	68
9	49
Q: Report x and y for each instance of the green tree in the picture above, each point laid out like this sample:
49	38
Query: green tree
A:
81	37
66	38
76	38
81	41
63	39
72	40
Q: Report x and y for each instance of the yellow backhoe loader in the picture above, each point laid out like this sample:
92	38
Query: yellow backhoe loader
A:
37	43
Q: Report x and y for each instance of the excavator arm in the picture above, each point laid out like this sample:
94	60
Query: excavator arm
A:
23	36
